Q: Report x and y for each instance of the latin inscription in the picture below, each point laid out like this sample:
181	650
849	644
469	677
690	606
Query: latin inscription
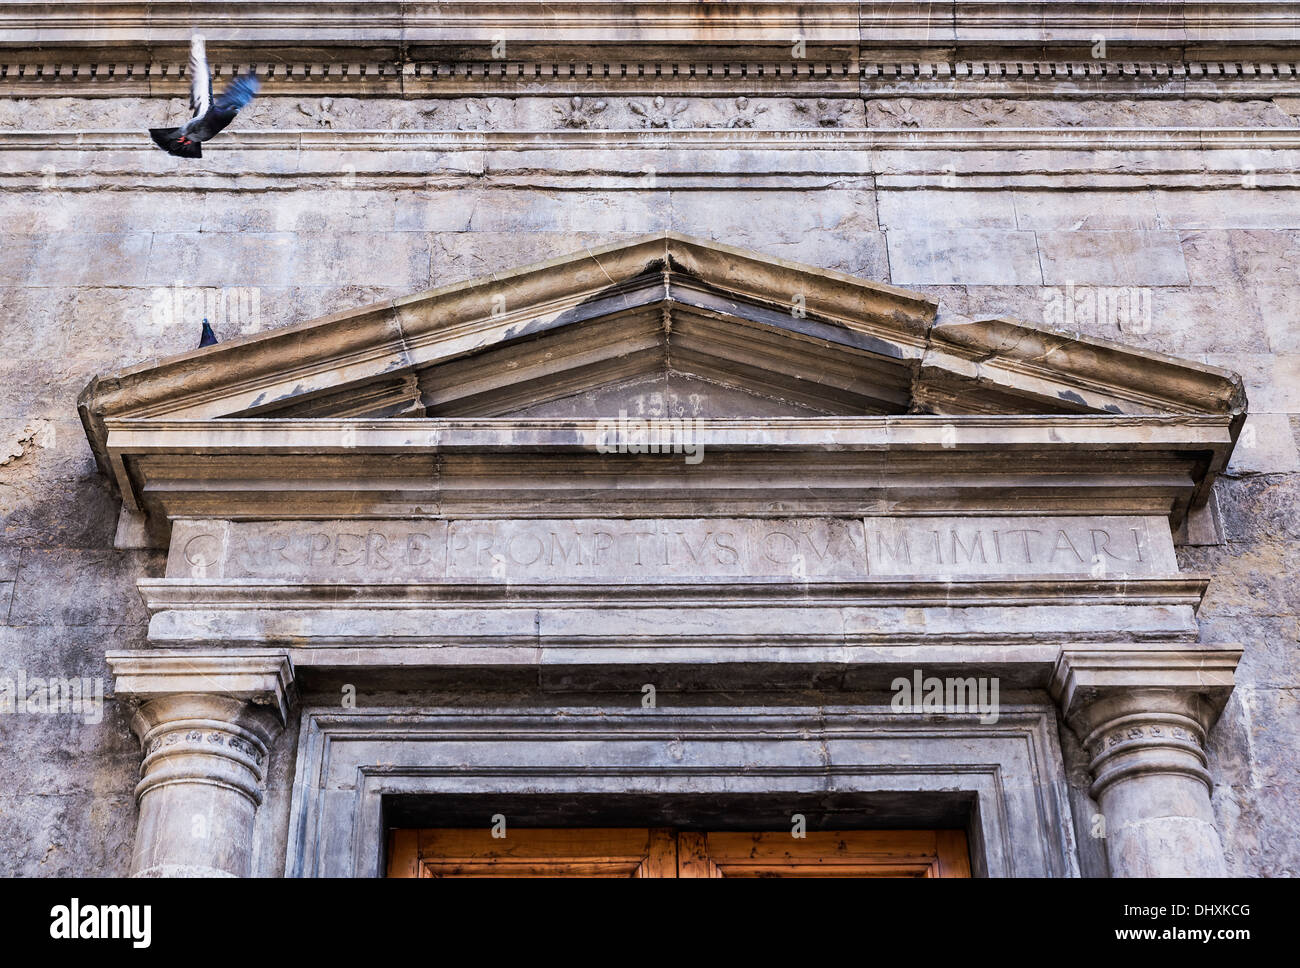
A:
795	548
792	549
1103	547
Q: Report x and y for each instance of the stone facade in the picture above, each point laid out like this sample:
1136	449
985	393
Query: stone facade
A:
920	189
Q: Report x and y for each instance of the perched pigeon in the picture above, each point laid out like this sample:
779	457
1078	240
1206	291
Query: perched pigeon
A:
211	114
208	338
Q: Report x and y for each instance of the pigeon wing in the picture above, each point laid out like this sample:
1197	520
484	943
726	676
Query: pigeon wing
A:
200	80
238	93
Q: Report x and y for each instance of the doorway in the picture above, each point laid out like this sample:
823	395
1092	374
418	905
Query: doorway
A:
669	852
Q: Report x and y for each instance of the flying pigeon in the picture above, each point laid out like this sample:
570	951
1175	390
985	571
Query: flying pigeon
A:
211	114
208	338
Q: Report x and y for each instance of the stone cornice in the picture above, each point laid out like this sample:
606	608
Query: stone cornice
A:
256	468
393	48
585	22
916	592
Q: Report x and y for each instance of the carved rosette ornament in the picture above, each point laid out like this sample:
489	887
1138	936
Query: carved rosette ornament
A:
1143	717
206	724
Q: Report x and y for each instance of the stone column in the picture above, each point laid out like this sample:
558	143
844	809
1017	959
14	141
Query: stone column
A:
1143	716
205	723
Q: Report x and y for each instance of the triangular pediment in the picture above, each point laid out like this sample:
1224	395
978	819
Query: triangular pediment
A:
665	318
662	326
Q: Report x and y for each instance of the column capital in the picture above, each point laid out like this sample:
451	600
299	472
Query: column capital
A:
264	679
1094	687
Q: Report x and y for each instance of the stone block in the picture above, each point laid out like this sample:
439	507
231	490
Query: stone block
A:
1271	643
1244	208
751	218
432	210
1272	380
60	513
31	389
1120	258
65	752
389	259
929	210
222	259
458	256
532	210
79	587
1279	312
76	259
1260	509
1255	580
986	257
1266	446
69	835
1086	211
1247	257
336	208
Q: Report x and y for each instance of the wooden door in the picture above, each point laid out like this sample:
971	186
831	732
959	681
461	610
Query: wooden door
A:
838	853
662	852
563	852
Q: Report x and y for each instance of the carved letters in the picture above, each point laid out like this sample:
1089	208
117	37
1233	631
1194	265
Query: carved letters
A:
796	549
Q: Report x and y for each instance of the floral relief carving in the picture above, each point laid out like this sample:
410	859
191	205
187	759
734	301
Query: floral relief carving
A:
322	113
825	113
479	116
741	113
900	111
988	112
424	118
658	113
579	113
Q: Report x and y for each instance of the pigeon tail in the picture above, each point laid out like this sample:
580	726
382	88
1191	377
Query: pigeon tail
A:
208	338
170	141
238	93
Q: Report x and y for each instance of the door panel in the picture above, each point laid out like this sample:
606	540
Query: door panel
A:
662	852
590	852
839	853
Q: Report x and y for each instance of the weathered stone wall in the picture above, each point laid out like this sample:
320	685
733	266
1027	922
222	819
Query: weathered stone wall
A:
109	253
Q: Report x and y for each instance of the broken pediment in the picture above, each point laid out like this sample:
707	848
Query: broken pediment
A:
815	340
779	361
